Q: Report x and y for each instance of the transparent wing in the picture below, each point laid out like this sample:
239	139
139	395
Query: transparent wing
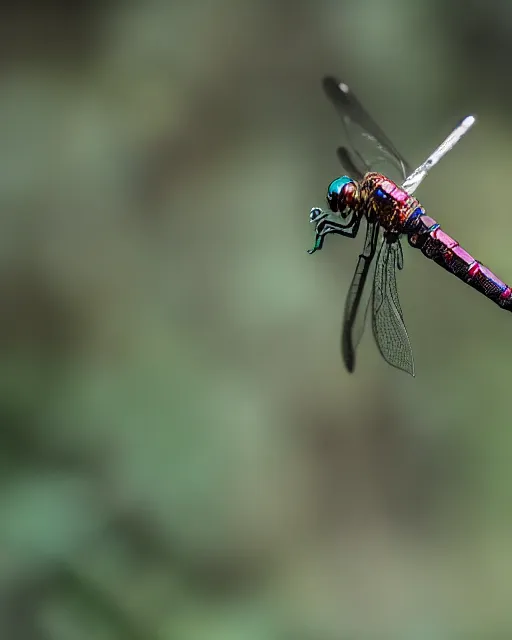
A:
354	169
387	318
372	148
356	306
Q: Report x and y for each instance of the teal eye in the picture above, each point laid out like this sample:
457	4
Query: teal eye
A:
335	195
336	186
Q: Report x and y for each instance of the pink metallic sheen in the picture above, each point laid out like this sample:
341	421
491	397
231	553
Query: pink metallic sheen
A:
489	274
474	269
505	295
428	221
444	238
464	256
395	192
400	195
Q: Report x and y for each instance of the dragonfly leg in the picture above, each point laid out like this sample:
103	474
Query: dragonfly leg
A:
328	226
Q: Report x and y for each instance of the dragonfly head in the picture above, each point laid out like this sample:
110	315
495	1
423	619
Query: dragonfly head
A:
340	195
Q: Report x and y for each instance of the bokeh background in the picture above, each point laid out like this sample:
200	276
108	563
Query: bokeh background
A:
183	455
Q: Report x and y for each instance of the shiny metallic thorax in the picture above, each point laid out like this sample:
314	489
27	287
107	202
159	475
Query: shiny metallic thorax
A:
382	200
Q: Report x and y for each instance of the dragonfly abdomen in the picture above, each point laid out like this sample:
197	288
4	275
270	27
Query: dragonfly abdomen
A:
446	252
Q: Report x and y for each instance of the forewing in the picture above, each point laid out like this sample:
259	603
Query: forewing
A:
387	318
351	164
372	148
358	297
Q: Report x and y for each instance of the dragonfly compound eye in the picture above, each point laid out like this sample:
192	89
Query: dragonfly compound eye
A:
340	193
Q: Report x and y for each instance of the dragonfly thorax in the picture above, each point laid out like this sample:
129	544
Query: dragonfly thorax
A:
342	195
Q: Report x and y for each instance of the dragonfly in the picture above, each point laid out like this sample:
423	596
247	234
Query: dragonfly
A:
385	200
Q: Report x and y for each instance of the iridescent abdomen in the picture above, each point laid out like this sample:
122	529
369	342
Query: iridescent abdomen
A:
437	245
391	206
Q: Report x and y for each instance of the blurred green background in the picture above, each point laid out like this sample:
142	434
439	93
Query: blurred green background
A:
183	455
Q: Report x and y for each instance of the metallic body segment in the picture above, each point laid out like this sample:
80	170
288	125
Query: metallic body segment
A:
437	245
386	202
